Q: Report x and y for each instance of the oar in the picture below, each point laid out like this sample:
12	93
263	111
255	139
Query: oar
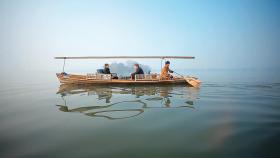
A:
190	80
178	74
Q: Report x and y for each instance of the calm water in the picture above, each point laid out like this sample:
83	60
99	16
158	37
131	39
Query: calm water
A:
233	114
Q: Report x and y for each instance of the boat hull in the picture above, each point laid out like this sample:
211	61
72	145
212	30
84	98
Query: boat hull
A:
82	79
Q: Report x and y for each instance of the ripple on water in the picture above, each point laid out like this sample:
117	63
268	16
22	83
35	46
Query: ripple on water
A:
105	121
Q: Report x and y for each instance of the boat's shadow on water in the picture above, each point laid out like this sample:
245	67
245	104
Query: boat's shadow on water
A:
121	102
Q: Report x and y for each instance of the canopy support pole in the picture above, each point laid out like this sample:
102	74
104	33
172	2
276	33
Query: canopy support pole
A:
161	64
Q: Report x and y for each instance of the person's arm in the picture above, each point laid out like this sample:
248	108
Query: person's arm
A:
170	71
107	71
142	71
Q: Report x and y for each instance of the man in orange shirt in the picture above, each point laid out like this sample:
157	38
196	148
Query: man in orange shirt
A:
164	75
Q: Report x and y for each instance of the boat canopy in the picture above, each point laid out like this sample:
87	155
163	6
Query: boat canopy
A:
123	57
128	57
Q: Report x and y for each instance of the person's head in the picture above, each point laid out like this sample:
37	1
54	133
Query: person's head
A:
136	66
167	63
106	65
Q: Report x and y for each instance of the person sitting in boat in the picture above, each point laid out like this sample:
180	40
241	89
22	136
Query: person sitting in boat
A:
138	71
106	69
164	75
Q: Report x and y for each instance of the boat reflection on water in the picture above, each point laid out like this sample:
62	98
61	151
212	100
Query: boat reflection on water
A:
118	102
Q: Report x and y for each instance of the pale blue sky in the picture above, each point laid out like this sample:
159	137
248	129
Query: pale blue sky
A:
219	33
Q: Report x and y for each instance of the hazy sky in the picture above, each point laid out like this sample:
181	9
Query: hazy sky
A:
219	33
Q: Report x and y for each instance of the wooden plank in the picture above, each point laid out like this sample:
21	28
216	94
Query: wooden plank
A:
127	57
193	81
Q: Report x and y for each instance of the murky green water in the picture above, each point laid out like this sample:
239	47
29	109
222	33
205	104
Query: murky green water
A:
228	118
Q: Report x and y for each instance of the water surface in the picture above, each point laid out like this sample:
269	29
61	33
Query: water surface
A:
225	118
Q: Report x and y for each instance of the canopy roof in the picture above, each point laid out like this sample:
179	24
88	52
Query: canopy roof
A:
127	57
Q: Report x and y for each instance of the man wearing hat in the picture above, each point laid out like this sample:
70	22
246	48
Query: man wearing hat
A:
164	75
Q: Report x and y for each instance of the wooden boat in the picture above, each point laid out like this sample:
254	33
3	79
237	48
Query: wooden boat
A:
97	78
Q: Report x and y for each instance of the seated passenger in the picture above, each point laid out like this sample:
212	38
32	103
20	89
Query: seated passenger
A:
138	71
106	69
164	75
